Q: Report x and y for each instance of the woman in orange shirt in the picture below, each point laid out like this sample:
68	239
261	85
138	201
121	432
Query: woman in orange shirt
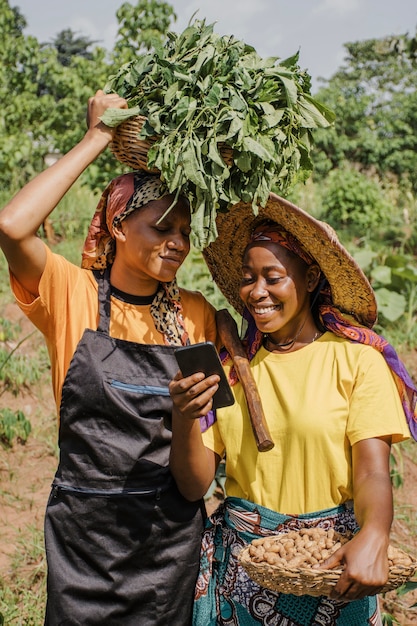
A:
122	543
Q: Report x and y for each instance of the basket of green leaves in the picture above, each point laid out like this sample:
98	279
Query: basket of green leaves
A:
220	123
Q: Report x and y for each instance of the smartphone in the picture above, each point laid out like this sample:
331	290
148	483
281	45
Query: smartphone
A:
203	357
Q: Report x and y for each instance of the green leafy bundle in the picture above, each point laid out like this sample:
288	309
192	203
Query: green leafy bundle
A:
201	90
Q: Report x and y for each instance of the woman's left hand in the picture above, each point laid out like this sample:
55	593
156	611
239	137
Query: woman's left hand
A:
364	560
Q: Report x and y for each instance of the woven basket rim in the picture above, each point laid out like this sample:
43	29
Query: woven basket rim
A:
305	580
132	151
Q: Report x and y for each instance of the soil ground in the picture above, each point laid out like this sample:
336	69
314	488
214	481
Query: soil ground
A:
26	472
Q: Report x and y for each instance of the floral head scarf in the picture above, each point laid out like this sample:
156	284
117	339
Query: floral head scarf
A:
335	321
122	196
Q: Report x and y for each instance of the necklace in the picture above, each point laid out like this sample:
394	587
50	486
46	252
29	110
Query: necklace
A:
287	345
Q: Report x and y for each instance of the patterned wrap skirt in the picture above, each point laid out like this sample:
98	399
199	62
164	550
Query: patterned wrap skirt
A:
226	596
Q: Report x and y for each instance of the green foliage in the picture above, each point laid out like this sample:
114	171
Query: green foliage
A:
351	199
44	102
142	27
23	594
194	275
68	45
44	89
396	467
394	279
16	370
389	620
72	216
373	95
13	425
202	90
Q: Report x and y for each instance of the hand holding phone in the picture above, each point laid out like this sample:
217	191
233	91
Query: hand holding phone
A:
203	357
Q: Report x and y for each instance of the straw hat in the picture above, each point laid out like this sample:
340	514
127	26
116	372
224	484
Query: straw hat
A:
351	290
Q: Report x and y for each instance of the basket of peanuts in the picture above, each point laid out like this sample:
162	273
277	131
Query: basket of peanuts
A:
285	562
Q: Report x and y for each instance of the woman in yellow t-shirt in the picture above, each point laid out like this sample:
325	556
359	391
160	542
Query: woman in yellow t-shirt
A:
335	398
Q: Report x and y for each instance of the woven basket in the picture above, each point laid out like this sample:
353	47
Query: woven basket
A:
132	151
304	580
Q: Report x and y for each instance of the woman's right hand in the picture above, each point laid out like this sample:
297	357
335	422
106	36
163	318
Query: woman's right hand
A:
192	396
97	105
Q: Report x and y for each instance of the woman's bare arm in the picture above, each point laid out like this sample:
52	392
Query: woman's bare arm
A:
364	558
23	215
192	464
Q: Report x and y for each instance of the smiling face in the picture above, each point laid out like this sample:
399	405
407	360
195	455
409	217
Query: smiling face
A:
149	251
276	287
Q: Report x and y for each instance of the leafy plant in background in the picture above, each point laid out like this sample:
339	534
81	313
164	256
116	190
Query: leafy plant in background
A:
374	97
194	274
410	585
396	467
394	278
351	200
13	426
390	620
18	371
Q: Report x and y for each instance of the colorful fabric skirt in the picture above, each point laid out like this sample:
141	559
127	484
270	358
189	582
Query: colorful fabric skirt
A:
226	596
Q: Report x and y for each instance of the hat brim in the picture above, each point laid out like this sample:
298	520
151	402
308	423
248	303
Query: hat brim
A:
351	290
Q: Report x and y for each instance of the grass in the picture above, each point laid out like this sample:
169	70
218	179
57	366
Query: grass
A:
23	594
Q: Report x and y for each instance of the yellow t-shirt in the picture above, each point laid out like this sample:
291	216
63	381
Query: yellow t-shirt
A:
68	304
318	402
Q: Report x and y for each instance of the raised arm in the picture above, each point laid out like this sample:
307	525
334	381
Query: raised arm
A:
365	558
23	215
192	464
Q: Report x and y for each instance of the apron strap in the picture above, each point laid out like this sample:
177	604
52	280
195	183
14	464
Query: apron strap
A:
104	290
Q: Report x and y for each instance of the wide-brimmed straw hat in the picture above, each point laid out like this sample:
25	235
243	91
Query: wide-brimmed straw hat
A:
351	290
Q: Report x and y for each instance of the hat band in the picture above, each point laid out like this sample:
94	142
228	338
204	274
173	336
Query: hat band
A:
279	235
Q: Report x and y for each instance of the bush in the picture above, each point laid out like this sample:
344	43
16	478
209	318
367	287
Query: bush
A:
351	200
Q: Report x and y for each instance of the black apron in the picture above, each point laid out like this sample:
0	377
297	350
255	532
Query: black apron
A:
122	543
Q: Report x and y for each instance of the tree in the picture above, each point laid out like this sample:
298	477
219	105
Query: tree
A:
68	45
18	158
44	87
375	101
141	28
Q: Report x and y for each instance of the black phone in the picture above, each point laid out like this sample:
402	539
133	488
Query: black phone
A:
203	357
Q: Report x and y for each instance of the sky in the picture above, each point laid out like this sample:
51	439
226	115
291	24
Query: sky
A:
318	29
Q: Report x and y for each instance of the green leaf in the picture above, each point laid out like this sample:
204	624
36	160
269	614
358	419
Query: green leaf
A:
214	96
290	89
364	258
251	145
390	304
407	273
381	274
312	115
243	161
410	585
192	167
171	94
113	117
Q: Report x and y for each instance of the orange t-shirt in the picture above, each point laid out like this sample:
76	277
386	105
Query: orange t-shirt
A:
68	304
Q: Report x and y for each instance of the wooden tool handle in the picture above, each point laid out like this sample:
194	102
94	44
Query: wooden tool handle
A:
229	336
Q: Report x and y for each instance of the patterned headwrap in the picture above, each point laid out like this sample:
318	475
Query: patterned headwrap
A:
335	321
123	195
